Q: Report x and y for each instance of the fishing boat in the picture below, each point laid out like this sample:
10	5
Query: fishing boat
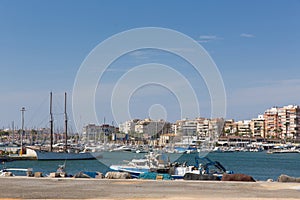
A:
67	153
203	167
15	171
283	149
121	148
152	162
160	164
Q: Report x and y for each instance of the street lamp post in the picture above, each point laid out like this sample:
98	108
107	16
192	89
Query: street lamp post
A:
22	132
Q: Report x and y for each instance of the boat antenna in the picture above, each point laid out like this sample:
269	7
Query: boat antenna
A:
66	123
51	124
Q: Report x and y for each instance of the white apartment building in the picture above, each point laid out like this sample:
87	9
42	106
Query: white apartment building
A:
257	126
128	126
150	128
146	128
186	127
230	127
243	127
203	126
200	128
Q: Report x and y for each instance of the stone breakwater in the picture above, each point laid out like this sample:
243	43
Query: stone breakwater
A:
70	188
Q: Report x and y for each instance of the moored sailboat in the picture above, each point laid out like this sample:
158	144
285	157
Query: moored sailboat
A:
67	154
48	155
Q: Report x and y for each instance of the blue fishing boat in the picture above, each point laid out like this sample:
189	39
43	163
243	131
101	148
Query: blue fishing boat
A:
158	163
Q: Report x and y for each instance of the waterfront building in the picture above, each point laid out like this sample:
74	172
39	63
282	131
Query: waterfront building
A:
230	128
275	123
185	131
243	128
149	128
186	127
288	118
216	126
93	133
138	129
203	126
199	129
246	128
166	138
128	127
271	123
283	122
257	126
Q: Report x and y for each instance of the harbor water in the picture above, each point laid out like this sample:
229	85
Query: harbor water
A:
260	165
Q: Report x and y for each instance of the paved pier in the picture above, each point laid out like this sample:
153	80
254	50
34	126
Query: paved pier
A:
69	188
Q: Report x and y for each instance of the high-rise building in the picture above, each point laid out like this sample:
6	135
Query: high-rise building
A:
289	126
271	123
283	122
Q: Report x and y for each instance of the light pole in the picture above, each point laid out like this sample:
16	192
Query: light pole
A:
22	132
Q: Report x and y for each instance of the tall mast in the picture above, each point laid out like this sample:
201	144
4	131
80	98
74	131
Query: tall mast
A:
13	131
51	124
66	123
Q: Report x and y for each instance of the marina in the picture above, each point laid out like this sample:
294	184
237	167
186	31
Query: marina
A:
260	165
148	100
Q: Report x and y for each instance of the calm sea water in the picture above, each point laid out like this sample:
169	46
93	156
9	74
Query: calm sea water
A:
260	165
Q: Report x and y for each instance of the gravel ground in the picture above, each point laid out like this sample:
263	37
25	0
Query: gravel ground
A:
70	188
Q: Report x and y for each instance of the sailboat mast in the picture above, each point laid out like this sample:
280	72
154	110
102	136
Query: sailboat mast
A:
13	132
51	124
66	123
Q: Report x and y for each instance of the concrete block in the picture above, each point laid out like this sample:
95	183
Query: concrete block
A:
38	174
7	174
54	175
99	175
159	177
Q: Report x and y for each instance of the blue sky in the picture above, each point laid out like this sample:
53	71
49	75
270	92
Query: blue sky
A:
255	45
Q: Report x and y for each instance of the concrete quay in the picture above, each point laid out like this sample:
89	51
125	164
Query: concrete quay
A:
70	188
